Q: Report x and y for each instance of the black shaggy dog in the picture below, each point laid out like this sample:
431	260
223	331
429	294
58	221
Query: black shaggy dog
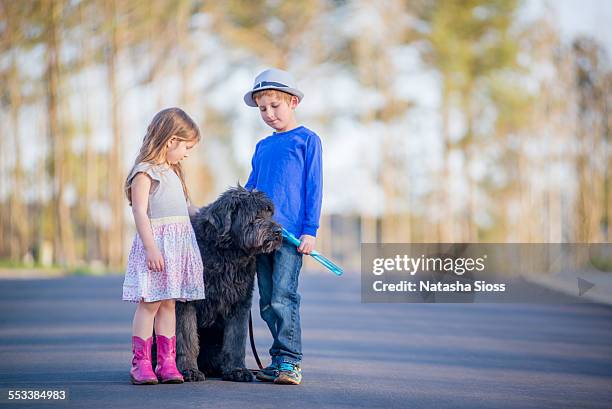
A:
211	333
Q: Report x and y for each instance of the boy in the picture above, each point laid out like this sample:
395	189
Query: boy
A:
287	166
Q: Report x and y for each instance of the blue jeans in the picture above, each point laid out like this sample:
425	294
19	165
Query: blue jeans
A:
279	302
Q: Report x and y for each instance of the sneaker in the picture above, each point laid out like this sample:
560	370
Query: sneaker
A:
268	374
289	374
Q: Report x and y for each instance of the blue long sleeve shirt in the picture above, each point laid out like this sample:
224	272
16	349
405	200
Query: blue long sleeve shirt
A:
287	166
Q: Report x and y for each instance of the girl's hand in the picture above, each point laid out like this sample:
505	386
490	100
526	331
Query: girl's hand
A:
155	260
193	210
307	244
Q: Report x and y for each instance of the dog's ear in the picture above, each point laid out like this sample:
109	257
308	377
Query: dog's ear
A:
262	200
219	215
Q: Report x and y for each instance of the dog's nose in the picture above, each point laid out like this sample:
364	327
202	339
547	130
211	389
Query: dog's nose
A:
277	230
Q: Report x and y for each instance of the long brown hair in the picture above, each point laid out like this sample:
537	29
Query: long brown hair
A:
168	123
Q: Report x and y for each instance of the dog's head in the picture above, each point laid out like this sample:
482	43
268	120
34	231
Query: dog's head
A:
242	219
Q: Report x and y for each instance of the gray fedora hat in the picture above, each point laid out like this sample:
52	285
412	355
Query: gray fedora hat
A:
273	78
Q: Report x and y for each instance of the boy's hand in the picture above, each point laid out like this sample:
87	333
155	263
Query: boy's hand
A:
307	244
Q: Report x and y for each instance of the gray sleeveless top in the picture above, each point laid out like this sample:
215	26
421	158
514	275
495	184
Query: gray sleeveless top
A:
166	197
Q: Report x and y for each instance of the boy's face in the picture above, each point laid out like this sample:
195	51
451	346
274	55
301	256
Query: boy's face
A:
276	112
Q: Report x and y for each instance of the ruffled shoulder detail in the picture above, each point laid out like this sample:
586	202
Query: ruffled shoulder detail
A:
153	171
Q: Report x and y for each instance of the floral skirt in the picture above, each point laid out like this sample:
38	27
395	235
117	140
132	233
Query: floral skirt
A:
182	278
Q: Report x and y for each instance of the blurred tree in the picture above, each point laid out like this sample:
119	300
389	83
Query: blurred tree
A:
607	135
88	188
525	118
11	40
466	42
115	32
371	56
273	31
592	150
64	246
187	64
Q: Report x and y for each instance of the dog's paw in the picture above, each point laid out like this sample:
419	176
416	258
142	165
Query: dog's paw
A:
193	375
238	375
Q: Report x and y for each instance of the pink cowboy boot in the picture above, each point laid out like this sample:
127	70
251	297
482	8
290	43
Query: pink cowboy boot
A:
166	368
142	371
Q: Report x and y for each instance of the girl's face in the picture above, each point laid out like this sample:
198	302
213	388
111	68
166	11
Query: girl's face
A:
178	150
276	112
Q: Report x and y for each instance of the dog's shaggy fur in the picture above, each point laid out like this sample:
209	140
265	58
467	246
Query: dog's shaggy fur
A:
211	333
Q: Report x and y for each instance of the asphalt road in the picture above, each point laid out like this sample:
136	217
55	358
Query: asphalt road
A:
74	334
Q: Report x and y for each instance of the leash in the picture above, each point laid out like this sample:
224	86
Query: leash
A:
252	339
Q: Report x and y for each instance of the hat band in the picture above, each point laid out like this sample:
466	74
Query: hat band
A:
269	83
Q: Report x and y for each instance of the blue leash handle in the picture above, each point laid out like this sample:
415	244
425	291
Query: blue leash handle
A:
314	254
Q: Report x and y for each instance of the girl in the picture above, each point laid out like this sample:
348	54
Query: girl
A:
164	264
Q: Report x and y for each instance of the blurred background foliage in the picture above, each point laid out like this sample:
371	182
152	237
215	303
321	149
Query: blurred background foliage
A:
441	121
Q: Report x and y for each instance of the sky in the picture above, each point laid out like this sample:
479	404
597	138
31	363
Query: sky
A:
591	17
